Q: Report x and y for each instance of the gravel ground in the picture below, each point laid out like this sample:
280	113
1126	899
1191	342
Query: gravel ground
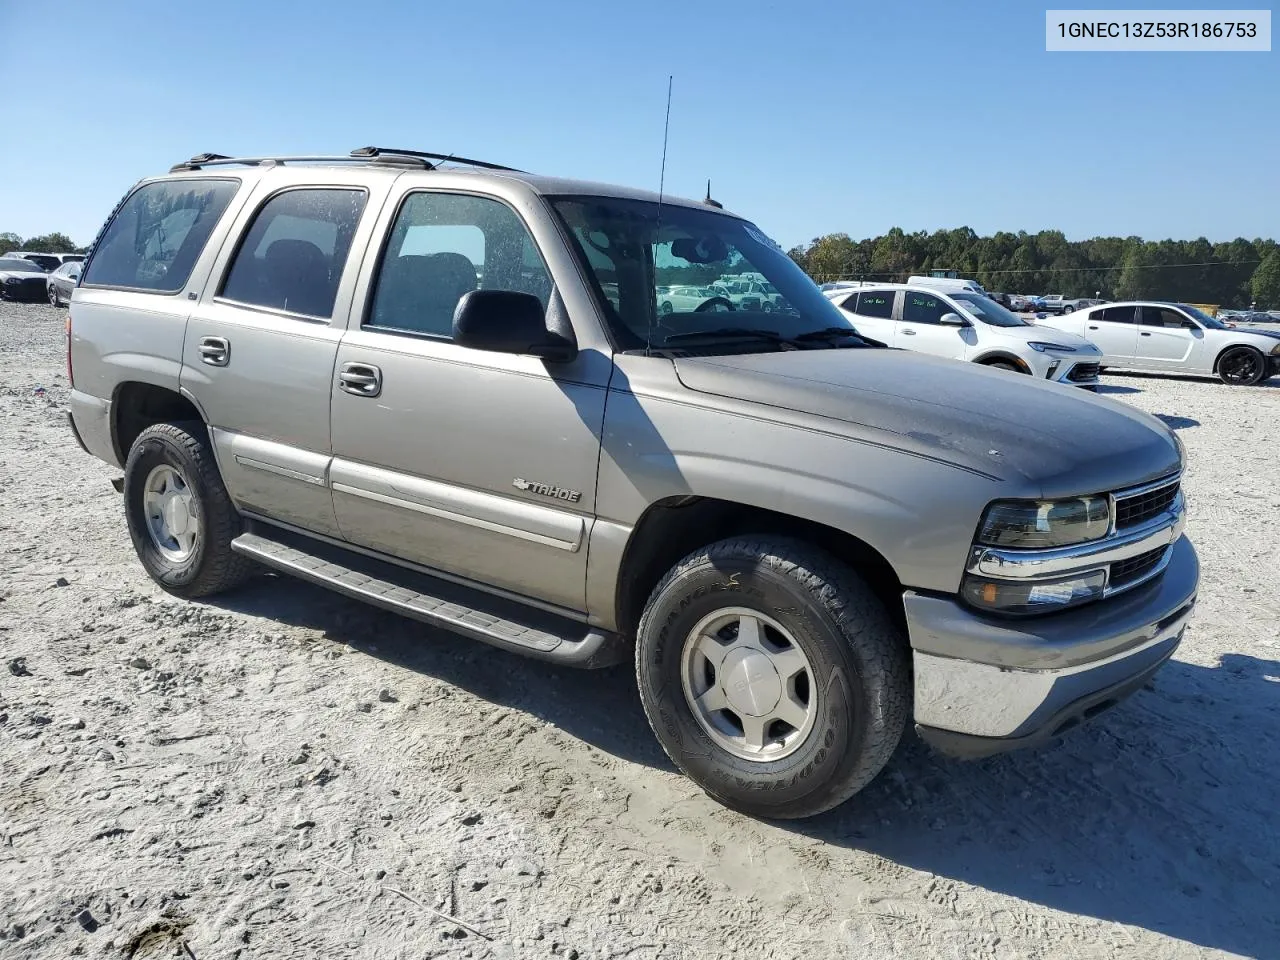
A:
284	773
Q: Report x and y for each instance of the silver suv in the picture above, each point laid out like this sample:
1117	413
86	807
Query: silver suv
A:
447	390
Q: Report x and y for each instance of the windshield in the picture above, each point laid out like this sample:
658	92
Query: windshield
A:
711	253
988	311
1203	318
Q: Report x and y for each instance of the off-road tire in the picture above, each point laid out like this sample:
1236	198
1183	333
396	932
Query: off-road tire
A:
212	566
859	661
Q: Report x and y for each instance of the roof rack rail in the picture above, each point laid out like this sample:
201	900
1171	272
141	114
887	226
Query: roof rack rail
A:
203	160
389	155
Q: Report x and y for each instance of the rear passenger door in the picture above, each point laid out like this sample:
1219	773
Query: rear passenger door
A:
871	312
476	464
261	341
1114	331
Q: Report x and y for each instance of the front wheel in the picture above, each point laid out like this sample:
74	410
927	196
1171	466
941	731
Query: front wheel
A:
54	299
772	676
180	517
1242	367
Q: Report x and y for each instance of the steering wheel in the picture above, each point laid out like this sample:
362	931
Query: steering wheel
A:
706	305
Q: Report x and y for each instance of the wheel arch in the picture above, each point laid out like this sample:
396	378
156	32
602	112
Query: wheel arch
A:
1224	350
998	356
136	405
674	527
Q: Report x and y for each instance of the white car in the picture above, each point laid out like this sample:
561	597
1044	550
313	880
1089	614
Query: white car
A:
1174	338
968	326
683	298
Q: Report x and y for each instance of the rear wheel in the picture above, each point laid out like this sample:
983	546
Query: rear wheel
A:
1068	309
181	519
666	308
1242	367
772	676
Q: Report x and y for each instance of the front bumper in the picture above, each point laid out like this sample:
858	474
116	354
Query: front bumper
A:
26	290
984	685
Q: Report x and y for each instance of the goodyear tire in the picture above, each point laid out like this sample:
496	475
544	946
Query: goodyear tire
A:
772	676
180	518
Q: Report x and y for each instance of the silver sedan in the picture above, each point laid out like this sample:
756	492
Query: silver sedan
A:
62	281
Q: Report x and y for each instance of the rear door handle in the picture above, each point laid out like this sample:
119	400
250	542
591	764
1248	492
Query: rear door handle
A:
1093	328
360	379
909	332
1144	334
215	351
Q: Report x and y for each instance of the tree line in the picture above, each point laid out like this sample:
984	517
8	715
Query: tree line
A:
1234	273
45	243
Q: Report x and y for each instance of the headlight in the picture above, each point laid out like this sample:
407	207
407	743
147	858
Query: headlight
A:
1037	524
1038	596
1040	347
1275	351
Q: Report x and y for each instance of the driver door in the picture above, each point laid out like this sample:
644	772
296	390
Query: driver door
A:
1166	338
920	328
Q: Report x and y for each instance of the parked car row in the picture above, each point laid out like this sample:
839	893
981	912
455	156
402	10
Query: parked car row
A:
46	261
22	278
963	325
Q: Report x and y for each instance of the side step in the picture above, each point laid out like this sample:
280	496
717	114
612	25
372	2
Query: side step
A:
441	603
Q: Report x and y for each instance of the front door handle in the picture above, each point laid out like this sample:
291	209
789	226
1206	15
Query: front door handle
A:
1144	334
360	379
1091	327
909	332
215	351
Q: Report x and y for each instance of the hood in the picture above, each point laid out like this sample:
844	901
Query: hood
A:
33	272
1058	440
1270	334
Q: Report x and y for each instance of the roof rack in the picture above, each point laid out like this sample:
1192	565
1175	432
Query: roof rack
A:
389	154
378	155
203	160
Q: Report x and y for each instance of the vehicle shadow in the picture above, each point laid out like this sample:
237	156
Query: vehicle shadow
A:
1209	381
1114	388
1177	423
1158	814
599	707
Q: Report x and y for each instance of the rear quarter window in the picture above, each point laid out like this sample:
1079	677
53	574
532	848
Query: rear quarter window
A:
157	235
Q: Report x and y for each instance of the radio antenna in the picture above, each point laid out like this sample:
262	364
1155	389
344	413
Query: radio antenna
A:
662	182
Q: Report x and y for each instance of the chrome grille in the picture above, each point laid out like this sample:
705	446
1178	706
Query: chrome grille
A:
1125	572
1084	372
1136	509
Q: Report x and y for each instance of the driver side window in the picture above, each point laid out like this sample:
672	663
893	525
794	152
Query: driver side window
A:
923	308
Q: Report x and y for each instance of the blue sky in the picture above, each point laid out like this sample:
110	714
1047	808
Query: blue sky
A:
809	118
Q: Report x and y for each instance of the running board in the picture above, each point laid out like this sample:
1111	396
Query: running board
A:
440	603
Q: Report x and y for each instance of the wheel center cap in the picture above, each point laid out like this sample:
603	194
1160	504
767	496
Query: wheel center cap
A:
176	515
750	683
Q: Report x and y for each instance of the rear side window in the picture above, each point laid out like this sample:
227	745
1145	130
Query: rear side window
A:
1117	314
871	303
294	252
156	236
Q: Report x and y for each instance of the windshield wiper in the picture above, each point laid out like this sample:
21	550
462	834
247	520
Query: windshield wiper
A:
836	333
728	333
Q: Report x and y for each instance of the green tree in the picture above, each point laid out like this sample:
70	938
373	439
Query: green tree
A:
50	243
1266	282
10	241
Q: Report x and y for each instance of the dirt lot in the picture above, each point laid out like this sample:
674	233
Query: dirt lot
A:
284	773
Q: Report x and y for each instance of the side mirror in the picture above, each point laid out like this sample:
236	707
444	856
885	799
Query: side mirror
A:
953	320
503	321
